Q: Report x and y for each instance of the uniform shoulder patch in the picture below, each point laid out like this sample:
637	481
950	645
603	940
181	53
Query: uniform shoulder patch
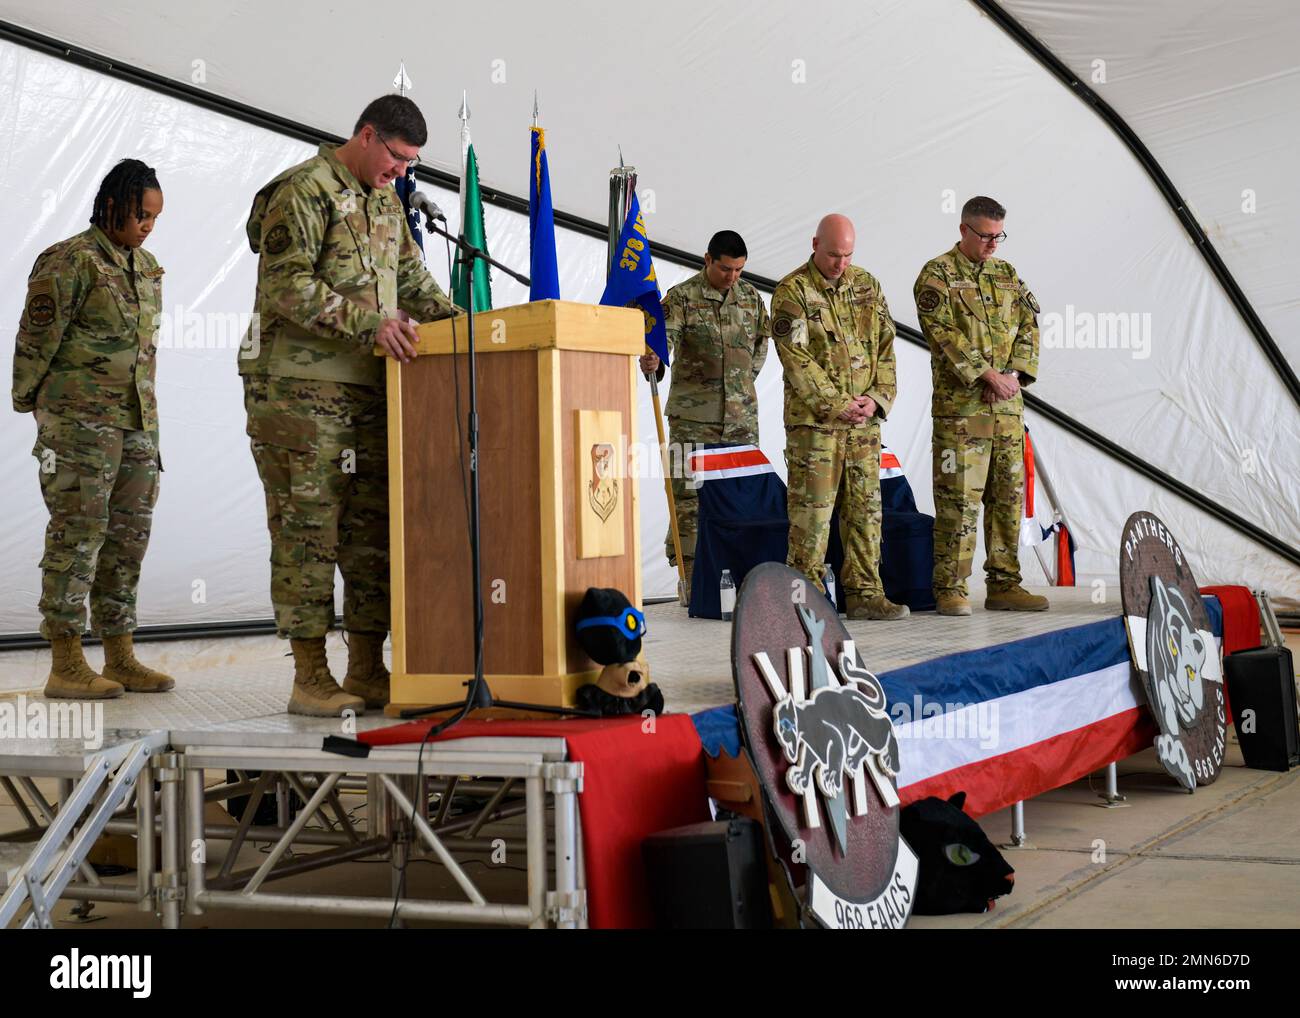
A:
277	241
41	310
928	299
781	326
1032	301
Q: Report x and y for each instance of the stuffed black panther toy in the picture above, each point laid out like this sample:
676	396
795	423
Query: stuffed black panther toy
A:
961	871
609	630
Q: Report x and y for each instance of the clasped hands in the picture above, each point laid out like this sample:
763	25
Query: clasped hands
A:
998	386
861	410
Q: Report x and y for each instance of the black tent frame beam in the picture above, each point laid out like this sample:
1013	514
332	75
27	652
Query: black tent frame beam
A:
589	227
1164	185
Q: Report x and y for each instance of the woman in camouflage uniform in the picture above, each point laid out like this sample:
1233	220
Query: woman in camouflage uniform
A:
84	365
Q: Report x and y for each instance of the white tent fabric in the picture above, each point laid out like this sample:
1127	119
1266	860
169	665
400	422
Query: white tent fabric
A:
1211	89
759	122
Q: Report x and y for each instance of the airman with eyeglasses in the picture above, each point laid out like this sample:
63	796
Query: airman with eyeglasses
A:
339	279
981	322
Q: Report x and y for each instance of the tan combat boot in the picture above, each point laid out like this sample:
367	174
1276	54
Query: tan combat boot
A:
367	677
1014	599
315	693
877	608
120	665
952	604
72	679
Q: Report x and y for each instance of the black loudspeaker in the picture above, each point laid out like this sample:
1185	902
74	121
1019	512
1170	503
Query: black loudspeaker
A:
1262	682
710	876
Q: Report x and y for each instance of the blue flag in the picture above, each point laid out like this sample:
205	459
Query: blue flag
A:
632	279
405	187
544	270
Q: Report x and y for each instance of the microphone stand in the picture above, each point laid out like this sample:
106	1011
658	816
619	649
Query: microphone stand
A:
479	696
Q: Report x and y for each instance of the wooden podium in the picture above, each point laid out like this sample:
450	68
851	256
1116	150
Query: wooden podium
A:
558	510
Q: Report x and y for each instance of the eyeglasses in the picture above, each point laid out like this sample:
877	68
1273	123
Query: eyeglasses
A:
410	163
988	238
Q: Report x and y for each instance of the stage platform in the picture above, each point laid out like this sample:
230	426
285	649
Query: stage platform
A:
227	713
243	683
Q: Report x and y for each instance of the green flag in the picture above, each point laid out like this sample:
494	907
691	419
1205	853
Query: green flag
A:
471	217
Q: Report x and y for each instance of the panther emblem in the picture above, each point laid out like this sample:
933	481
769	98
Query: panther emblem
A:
817	730
1175	657
834	731
830	736
1173	651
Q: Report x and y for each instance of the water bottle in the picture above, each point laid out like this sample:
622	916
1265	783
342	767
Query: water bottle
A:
828	580
727	595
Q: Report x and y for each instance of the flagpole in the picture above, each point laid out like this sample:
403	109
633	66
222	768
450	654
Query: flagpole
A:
668	487
622	184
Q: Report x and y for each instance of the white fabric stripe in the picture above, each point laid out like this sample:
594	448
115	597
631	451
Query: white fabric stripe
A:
730	450
714	475
1137	631
889	471
1013	722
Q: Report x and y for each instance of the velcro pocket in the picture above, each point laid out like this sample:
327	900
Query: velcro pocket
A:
283	431
66	493
973	301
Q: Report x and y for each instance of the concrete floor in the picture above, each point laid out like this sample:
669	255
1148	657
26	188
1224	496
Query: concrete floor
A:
1226	856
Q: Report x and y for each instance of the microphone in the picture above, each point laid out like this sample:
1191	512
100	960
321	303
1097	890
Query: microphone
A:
422	202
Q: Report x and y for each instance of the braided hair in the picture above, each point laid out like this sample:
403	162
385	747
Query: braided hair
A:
125	184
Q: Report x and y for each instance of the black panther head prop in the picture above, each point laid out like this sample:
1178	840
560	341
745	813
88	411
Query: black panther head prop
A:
961	871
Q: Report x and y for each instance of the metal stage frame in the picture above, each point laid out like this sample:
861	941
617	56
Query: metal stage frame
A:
150	784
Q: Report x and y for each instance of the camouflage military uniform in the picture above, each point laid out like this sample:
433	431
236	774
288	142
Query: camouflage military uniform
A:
336	260
718	343
84	363
836	341
975	317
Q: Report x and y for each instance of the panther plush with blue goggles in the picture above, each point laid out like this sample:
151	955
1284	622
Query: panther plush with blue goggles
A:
609	629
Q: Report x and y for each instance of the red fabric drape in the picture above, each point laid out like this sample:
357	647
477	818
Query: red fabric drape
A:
1240	623
1064	560
1240	617
635	783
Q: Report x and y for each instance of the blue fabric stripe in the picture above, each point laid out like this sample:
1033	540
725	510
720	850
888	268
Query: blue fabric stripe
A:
978	675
